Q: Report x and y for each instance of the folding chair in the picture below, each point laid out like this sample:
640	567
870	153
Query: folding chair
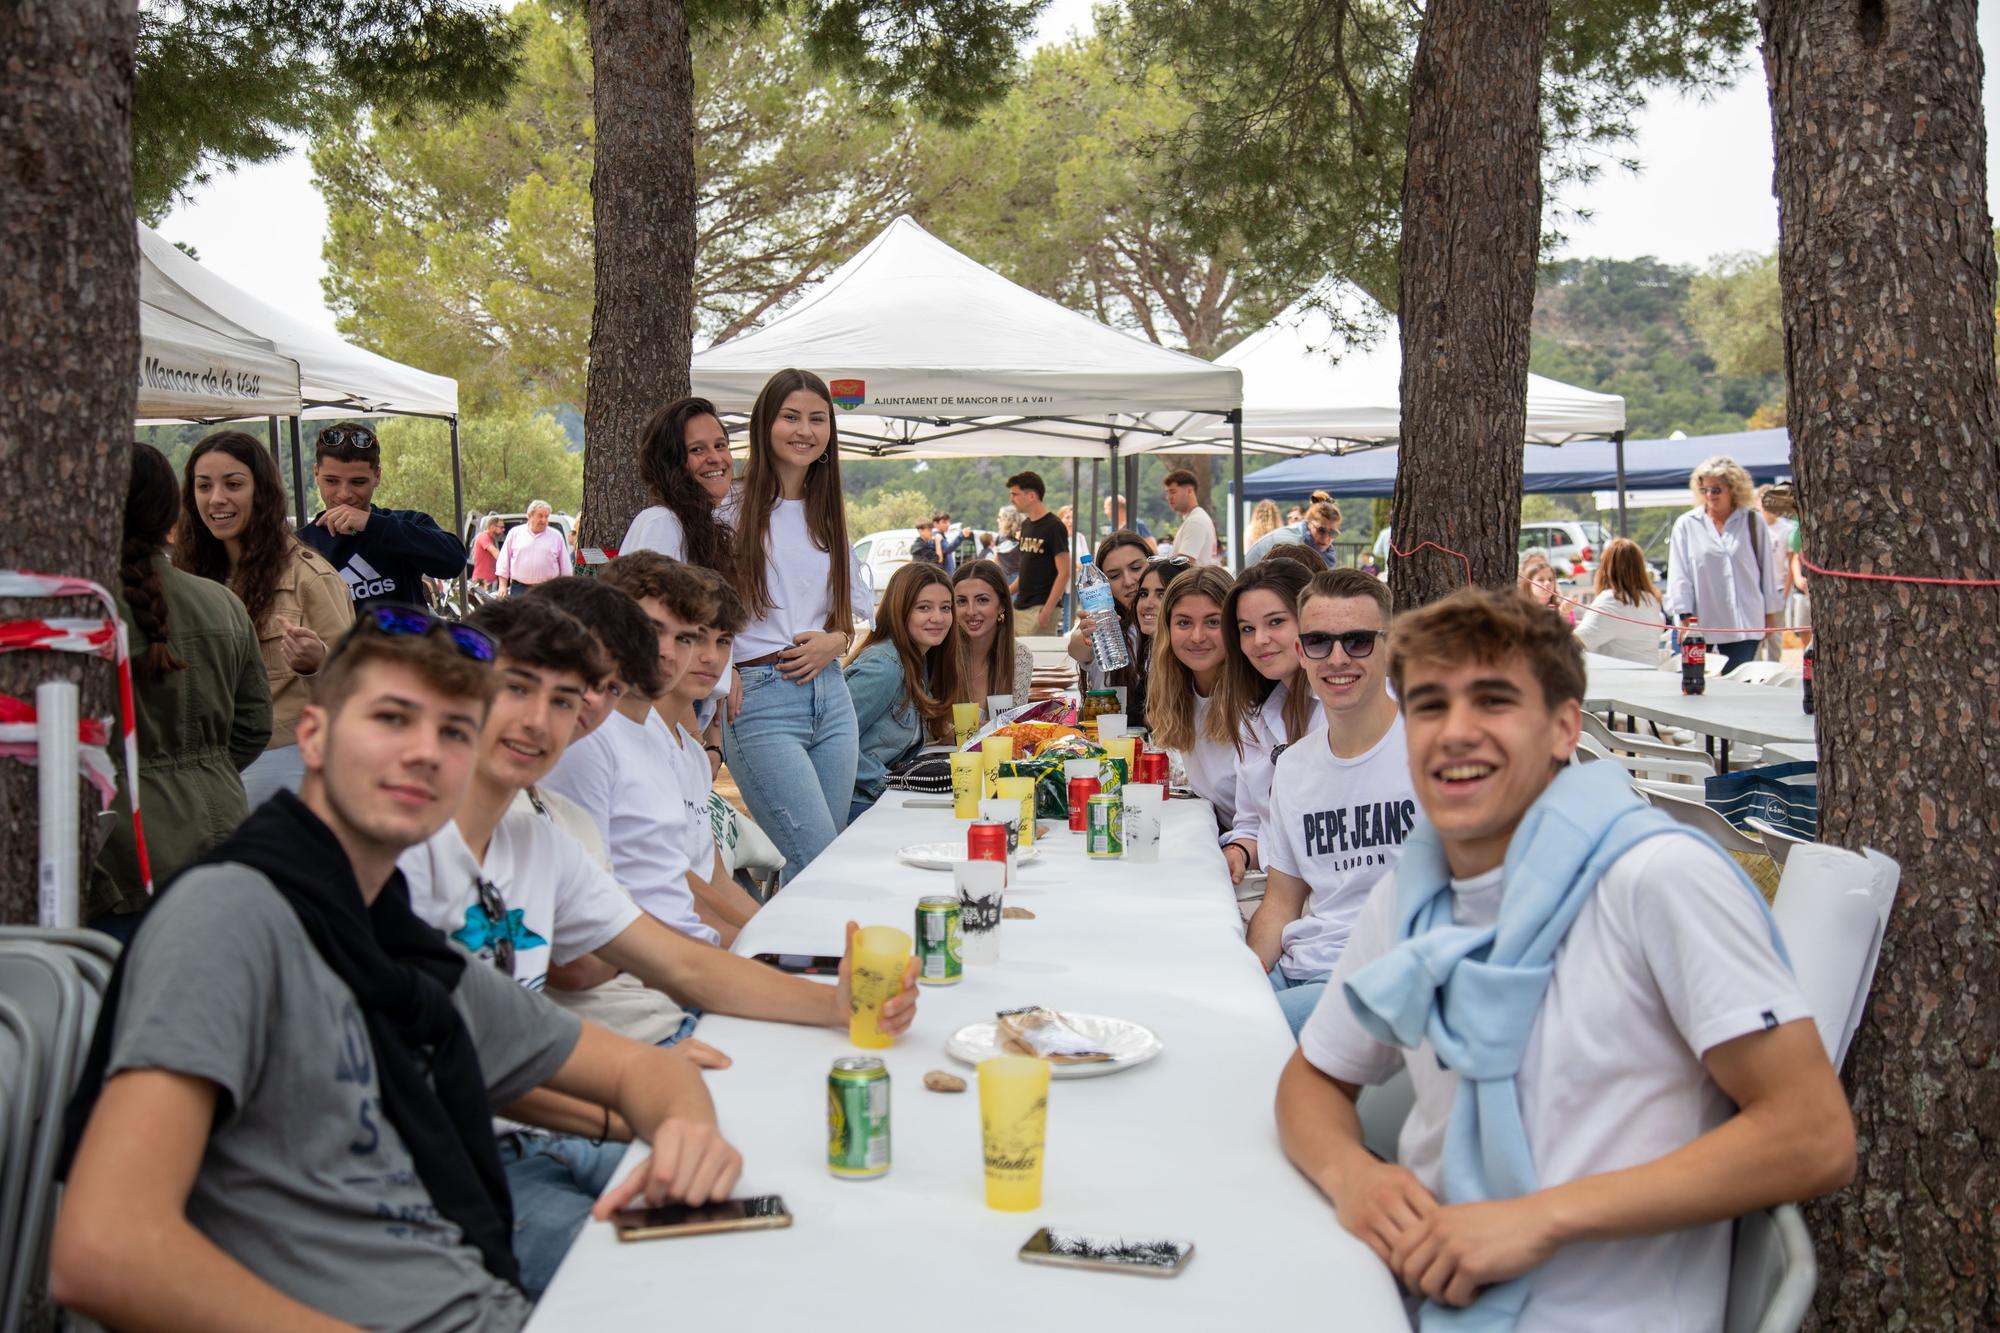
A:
1832	908
20	1089
1626	742
1776	841
1771	1273
1757	672
1685	804
1588	748
44	985
94	942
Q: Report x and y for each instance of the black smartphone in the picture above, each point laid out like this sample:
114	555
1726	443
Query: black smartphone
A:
806	964
1156	1257
761	1213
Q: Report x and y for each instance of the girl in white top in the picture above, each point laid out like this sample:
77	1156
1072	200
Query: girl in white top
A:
794	745
685	463
990	659
1188	655
1264	703
1624	619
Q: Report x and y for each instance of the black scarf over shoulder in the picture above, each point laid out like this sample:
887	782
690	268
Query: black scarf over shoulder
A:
402	973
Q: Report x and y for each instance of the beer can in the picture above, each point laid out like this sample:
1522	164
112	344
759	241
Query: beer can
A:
1153	769
986	840
938	959
1081	792
857	1118
1103	838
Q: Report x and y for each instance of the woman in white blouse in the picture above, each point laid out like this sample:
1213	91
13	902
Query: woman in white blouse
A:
684	461
1720	565
794	745
1624	619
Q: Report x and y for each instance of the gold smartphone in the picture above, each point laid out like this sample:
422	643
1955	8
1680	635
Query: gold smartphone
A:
762	1213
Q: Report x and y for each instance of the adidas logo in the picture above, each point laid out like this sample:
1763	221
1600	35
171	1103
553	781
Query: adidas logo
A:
364	580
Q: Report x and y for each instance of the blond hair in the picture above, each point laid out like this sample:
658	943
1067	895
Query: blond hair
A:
1264	520
1170	686
1730	473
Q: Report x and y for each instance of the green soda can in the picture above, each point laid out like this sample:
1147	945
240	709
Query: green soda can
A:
857	1118
1101	840
939	960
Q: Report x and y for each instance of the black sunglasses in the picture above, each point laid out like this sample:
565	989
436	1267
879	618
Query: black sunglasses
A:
346	437
497	926
1356	643
415	622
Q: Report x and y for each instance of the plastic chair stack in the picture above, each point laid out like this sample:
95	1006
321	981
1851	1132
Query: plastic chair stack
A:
52	985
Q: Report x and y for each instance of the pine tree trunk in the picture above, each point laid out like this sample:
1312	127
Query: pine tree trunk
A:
643	192
69	351
1887	282
1472	213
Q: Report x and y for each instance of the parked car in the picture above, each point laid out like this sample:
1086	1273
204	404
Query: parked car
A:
1572	544
881	554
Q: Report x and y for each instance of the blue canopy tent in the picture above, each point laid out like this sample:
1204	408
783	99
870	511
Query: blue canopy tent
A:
1578	466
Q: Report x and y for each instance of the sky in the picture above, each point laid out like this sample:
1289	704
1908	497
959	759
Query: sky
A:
1703	190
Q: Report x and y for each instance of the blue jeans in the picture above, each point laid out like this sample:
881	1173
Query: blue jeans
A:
684	1031
1298	998
857	808
1736	654
555	1180
793	751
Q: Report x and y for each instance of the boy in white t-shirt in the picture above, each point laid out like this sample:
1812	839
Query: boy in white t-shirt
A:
506	882
1661	1077
1341	800
719	900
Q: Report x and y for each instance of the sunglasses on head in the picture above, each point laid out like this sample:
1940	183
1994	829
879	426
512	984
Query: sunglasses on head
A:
347	437
415	622
1171	562
1356	643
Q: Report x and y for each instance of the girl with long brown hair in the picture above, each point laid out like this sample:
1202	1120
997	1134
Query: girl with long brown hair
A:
200	701
1265	702
233	531
684	461
903	676
1121	558
793	747
1190	645
990	659
1625	595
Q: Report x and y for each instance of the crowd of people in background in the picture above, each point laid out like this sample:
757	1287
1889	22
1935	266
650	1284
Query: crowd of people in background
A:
416	873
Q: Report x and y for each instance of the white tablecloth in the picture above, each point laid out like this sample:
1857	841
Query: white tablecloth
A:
1184	1147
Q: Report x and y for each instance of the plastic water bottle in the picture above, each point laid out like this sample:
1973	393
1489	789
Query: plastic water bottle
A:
1107	638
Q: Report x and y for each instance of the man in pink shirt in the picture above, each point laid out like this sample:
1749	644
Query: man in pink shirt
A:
533	552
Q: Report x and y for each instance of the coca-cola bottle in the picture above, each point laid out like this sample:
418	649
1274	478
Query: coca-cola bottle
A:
1807	696
1694	657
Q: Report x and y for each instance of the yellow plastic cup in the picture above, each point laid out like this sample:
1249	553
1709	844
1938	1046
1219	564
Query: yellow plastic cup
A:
1120	747
964	721
1022	790
1013	1129
881	955
968	784
995	751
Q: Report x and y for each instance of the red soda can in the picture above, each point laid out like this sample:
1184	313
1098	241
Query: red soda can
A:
1080	792
1153	769
986	840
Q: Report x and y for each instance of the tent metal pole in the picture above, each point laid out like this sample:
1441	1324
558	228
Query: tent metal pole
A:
1618	443
298	473
1111	524
1132	491
1096	469
457	483
1236	488
1076	498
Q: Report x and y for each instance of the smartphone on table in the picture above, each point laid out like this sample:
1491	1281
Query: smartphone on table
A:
805	964
1151	1256
761	1213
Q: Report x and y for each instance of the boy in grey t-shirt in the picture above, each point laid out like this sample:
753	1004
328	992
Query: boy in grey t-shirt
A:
290	1095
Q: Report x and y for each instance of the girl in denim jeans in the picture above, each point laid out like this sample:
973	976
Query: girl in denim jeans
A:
794	745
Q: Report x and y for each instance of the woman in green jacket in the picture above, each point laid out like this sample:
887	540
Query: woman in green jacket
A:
203	705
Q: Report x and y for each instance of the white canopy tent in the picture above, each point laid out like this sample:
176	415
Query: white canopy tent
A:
333	378
190	373
1333	382
932	355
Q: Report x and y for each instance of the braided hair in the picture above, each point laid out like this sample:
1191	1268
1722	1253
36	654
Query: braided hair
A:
152	503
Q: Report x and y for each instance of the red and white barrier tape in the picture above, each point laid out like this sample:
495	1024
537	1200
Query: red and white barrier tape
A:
17	741
105	638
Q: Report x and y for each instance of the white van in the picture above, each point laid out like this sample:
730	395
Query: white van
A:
881	554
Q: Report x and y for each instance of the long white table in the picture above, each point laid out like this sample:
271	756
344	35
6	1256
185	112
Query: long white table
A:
1728	711
1183	1147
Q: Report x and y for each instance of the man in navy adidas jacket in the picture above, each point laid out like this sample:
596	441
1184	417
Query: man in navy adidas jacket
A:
382	554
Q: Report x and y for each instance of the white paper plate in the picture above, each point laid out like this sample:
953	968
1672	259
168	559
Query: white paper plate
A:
1129	1043
945	855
